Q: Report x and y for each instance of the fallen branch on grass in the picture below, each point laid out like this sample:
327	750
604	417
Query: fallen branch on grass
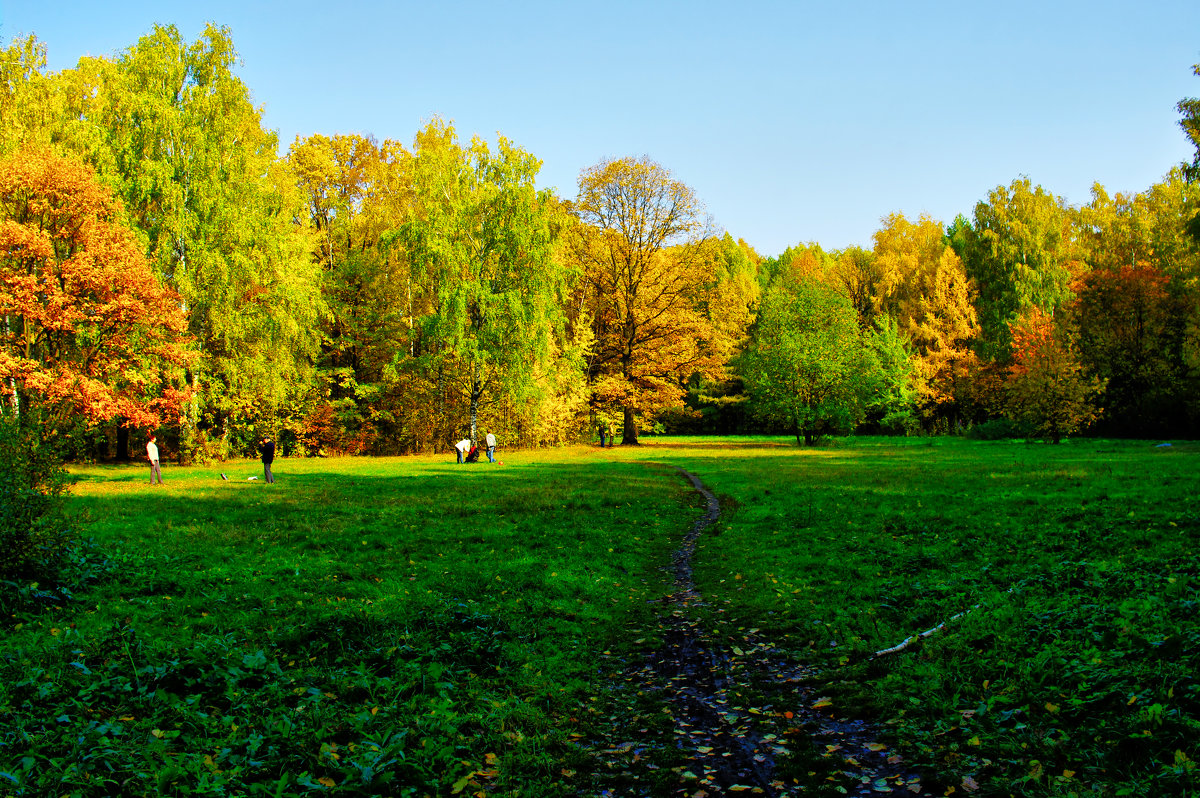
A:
922	635
919	636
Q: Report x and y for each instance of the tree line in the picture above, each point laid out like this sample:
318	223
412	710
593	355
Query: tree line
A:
163	266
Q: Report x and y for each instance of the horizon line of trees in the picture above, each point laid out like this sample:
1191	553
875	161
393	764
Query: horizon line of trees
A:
163	267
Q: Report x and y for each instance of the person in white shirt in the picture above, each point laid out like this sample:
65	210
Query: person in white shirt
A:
491	447
152	456
463	447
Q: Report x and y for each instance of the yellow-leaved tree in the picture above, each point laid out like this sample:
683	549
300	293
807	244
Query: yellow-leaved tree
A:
648	258
922	286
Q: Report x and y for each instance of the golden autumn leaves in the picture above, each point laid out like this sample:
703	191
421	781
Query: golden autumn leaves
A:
88	328
646	253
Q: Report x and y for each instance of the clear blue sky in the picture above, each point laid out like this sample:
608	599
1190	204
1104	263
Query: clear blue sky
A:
793	121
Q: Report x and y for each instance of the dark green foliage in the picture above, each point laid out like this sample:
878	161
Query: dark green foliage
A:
810	369
998	429
32	528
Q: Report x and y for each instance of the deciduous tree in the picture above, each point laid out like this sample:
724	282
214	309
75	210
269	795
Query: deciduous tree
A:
858	273
27	109
646	251
923	287
358	191
1131	335
200	177
1019	253
88	329
810	367
1046	386
482	239
1139	308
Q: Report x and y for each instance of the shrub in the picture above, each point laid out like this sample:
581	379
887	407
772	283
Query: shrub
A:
33	535
998	429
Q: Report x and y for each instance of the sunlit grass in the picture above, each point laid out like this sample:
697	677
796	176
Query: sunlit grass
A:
411	621
1075	566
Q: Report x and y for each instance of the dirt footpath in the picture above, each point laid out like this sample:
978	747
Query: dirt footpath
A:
721	738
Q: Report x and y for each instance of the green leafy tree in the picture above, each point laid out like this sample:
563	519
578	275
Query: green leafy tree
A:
810	368
800	262
201	179
482	242
894	404
1019	254
357	192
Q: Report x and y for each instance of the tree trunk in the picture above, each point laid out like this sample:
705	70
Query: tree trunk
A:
476	394
629	436
122	443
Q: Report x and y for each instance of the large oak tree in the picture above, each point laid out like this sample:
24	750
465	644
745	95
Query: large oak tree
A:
647	256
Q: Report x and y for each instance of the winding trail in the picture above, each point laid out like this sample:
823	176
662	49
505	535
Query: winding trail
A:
731	746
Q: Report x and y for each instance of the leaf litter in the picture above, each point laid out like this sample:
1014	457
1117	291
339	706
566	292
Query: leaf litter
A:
702	715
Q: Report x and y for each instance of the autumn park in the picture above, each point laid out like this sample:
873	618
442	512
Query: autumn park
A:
913	519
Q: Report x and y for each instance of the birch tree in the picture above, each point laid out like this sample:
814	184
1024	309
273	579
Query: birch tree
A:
482	241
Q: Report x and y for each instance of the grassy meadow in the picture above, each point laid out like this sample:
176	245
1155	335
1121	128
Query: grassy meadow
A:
410	626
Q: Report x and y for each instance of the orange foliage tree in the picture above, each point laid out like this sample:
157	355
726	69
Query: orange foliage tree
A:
88	331
1046	385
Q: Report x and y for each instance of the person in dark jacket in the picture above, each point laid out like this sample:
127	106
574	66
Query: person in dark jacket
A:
268	456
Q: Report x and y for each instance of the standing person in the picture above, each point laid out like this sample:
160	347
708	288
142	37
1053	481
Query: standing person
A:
603	428
152	456
463	447
491	447
268	456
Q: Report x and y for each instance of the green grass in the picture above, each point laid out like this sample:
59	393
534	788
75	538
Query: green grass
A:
389	626
410	626
1074	669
